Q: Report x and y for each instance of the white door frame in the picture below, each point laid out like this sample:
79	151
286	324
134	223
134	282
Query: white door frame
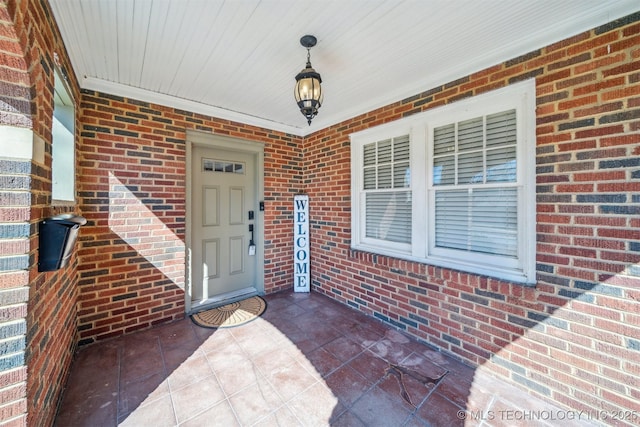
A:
231	144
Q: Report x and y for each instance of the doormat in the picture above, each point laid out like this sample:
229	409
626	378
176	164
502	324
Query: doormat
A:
231	315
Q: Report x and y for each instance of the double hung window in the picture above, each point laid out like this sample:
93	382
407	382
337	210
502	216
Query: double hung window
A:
453	186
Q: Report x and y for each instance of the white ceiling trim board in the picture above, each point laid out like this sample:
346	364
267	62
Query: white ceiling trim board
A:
541	39
236	61
143	95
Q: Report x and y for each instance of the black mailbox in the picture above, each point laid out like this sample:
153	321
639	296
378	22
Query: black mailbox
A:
57	237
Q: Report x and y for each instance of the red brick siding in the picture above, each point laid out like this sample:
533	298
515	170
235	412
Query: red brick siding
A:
14	77
575	336
132	165
40	308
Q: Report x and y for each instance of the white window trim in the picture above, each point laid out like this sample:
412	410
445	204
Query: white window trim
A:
358	205
520	96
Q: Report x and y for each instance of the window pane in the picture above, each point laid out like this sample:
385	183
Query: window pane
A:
389	216
444	140
501	128
444	171
470	168
370	154
501	165
479	158
401	148
480	220
384	151
63	162
370	178
384	176
452	219
470	134
401	175
494	221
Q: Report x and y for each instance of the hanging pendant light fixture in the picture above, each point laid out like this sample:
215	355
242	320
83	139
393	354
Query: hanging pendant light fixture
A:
308	91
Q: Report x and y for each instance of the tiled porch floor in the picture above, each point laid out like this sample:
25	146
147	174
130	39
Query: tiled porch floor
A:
307	361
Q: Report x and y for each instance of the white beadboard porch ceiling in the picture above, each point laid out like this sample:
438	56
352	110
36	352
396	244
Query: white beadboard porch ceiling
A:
237	59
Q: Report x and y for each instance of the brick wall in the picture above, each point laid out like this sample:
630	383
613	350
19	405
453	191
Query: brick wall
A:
37	311
133	165
575	337
14	228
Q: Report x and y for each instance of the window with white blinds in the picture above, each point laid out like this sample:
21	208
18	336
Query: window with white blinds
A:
474	175
453	186
387	181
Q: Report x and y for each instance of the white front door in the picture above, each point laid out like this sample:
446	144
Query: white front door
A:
223	208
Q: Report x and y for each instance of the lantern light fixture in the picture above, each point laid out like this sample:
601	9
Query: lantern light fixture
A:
308	91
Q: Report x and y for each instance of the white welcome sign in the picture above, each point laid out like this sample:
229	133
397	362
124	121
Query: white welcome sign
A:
301	243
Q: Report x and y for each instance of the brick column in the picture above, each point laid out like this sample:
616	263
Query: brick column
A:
16	150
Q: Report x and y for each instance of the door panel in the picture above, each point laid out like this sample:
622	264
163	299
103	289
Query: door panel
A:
224	186
211	258
211	205
236	206
236	255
